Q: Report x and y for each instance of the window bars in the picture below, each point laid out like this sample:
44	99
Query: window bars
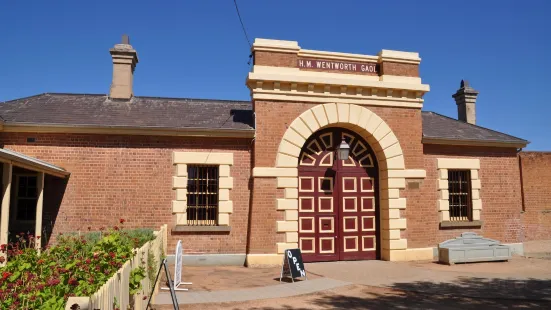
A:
459	185
202	195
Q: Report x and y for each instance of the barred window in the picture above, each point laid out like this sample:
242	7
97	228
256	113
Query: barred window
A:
202	195
459	186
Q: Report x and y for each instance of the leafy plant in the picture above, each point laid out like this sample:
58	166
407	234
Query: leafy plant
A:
151	267
136	277
78	265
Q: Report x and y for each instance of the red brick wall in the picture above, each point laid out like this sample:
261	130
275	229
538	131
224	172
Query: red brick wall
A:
273	119
130	177
500	194
536	182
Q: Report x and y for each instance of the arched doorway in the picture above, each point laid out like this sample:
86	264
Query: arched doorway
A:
337	200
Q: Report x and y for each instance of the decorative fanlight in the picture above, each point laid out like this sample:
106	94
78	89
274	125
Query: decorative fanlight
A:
343	150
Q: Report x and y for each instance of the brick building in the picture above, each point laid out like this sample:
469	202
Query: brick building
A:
241	181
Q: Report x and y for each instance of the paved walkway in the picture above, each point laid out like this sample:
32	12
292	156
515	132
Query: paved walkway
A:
518	279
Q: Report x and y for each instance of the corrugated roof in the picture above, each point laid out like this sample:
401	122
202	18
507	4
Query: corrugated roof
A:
139	112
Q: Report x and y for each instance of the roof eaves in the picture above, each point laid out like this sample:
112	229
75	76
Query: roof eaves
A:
146	130
474	142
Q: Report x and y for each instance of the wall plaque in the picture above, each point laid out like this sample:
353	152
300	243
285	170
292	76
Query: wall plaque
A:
337	65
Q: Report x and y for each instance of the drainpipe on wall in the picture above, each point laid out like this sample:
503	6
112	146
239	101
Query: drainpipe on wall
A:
251	188
521	181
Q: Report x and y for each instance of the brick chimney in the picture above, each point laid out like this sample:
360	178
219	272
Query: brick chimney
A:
465	98
125	59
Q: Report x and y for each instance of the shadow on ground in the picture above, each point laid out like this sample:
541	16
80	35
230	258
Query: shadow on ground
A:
466	293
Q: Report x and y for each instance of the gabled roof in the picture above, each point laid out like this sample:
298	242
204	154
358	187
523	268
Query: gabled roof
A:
440	129
86	110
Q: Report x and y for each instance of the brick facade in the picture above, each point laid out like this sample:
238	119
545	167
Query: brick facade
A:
98	191
398	69
277	116
536	187
130	177
275	59
500	194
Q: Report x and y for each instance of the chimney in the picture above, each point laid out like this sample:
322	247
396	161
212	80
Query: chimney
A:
125	59
465	98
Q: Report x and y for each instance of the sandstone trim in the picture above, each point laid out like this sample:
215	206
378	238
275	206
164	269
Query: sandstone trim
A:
180	160
264	259
389	156
472	164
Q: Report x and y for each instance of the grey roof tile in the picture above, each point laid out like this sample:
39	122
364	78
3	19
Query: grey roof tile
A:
182	113
145	112
437	126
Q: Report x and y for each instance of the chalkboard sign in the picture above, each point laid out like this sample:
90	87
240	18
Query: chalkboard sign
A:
293	266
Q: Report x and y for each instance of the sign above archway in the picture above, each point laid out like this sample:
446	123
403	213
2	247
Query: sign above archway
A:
331	65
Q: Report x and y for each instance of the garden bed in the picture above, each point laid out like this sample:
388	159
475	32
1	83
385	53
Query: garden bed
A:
80	264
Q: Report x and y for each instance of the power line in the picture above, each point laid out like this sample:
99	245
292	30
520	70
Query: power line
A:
241	21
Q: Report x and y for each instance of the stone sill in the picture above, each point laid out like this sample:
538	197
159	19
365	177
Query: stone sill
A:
185	228
460	224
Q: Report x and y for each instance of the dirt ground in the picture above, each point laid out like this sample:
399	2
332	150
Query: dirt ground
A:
368	297
219	278
521	283
529	267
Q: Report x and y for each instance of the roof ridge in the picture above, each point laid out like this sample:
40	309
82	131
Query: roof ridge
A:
75	94
472	125
141	97
23	98
194	99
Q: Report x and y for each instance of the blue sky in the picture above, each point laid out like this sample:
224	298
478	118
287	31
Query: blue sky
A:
197	49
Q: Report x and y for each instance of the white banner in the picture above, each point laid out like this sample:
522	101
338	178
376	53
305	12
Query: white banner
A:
178	264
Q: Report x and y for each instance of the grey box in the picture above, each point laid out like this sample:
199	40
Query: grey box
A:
470	247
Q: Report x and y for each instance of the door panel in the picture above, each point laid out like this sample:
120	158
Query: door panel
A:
338	207
318	216
358	234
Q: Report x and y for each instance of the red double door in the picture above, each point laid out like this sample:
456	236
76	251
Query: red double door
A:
338	209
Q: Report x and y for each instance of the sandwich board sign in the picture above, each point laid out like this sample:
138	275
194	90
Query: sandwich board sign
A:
293	266
178	269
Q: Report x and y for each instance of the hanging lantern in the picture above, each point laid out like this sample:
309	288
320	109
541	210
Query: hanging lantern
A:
343	150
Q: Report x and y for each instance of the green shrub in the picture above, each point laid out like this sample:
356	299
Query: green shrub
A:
78	265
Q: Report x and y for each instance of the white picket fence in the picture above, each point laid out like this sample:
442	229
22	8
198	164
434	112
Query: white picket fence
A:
115	292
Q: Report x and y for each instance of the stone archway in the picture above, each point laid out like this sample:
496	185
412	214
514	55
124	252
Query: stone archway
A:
389	155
